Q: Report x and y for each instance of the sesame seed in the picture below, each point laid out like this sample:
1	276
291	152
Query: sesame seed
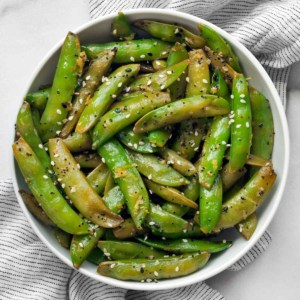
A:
148	280
184	230
130	144
242	95
224	241
163	238
58	132
143	56
88	77
103	160
178	79
114	32
177	269
243	101
59	179
120	84
114	96
127	116
161	75
231	96
162	87
228	145
176	30
128	89
146	238
187	79
132	58
158	63
155	273
78	166
56	155
58	111
149	82
204	80
80	245
45	177
238	125
52	163
80	101
106	253
150	177
41	146
135	145
164	53
141	143
247	124
151	223
196	149
63	185
185	240
50	171
150	191
112	266
169	72
59	123
73	189
83	83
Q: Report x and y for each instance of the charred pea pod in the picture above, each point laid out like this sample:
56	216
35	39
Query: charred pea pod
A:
77	142
45	192
219	45
91	80
156	169
247	200
114	199
38	99
210	206
131	51
88	160
68	68
159	64
159	137
138	142
241	130
121	29
128	250
147	269
128	178
180	110
104	96
169	194
230	178
63	238
82	246
219	86
247	227
75	184
127	230
186	245
97	178
170	33
160	80
125	113
27	130
213	151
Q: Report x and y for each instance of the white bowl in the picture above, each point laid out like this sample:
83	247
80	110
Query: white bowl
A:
98	31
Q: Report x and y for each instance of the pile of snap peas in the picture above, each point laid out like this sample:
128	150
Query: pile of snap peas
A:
143	149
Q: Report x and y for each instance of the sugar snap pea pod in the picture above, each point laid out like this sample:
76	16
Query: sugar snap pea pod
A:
247	227
218	44
64	82
121	29
127	230
219	85
35	114
198	74
89	160
128	250
27	130
191	191
45	192
128	178
230	178
109	184
131	51
248	199
91	80
189	136
63	238
125	113
186	245
76	185
105	95
169	194
159	64
160	80
138	142
210	206
148	270
38	99
96	256
77	142
34	207
170	33
115	199
213	151
82	246
180	110
253	160
159	137
156	169
179	163
98	177
241	129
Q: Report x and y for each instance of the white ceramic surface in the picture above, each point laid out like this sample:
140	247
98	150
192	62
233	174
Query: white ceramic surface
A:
90	33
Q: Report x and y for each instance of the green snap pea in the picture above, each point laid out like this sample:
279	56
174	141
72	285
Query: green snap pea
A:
35	114
63	238
45	192
145	269
180	110
27	130
156	169
160	80
82	246
186	245
34	207
230	178
128	250
210	206
248	199
131	51
125	113
247	227
213	151
105	95
170	33
159	64
121	29
97	178
115	200
159	137
219	45
96	256
169	194
138	142
91	80
241	130
63	87
77	142
219	85
38	99
77	187
127	230
89	160
128	178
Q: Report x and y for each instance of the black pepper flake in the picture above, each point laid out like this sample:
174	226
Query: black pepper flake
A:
128	70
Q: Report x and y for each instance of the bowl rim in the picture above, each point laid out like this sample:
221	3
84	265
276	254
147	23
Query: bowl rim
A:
180	282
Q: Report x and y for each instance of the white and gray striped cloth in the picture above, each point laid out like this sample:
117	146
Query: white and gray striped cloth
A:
271	30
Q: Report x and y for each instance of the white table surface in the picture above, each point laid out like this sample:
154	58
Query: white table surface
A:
29	28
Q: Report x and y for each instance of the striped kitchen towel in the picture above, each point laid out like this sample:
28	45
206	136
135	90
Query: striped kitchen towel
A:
271	30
